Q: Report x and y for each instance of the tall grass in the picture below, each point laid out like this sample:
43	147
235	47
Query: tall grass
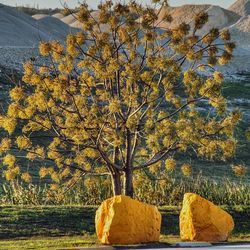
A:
158	192
221	192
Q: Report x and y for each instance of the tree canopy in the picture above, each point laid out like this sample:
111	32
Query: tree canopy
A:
122	95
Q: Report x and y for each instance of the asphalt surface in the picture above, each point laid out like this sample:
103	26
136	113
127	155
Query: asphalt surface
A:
243	246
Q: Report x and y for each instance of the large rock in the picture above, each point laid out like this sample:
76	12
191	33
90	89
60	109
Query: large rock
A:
122	220
201	220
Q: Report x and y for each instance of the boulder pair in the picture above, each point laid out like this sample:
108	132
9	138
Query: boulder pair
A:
122	220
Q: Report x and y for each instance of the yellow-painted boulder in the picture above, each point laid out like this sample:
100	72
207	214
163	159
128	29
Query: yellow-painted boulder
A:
201	220
122	220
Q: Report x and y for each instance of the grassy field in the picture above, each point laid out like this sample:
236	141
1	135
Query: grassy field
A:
73	226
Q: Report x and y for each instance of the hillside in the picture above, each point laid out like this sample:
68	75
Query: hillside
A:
180	14
19	29
241	7
72	21
218	17
39	16
69	19
55	27
58	15
240	32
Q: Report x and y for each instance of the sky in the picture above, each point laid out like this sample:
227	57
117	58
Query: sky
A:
93	3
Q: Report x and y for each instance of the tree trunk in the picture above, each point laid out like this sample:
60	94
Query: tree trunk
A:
129	190
116	183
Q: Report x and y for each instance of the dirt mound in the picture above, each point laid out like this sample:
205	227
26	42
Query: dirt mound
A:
19	29
241	7
240	32
78	25
55	27
39	16
218	17
58	15
185	13
69	19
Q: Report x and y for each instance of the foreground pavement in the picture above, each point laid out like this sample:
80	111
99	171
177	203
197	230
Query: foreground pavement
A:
240	246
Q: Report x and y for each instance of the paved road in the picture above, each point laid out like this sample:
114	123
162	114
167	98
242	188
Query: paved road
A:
245	246
240	247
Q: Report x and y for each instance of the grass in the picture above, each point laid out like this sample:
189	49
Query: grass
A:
23	222
168	191
48	243
56	227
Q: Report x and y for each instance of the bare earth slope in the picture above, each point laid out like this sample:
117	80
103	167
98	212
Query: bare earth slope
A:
218	17
240	32
180	14
55	27
72	21
58	15
241	7
69	19
21	34
39	16
19	29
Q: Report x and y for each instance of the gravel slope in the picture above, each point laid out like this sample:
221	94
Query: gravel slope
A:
19	29
218	17
241	32
241	7
55	27
58	15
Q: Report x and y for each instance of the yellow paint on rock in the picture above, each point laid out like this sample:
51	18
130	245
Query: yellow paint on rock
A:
201	220
122	220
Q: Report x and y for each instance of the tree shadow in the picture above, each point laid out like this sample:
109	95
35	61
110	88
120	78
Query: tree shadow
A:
25	222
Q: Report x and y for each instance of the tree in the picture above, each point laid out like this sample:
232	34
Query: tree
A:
121	96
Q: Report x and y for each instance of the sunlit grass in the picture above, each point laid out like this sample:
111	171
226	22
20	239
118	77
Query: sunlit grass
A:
49	243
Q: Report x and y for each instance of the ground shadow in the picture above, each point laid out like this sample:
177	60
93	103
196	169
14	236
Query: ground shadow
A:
25	222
